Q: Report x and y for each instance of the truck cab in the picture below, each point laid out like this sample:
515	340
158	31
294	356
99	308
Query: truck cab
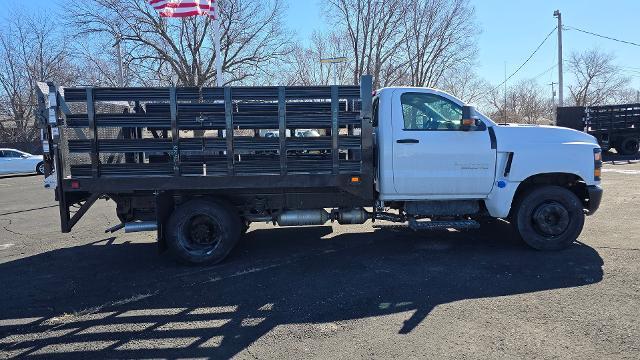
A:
430	153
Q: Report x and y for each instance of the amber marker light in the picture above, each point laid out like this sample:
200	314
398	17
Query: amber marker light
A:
597	164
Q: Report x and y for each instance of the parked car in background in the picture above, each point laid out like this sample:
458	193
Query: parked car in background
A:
14	161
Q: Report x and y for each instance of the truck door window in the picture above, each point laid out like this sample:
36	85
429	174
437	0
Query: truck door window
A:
423	111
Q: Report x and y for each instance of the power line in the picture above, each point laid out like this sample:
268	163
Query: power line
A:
602	36
526	61
545	72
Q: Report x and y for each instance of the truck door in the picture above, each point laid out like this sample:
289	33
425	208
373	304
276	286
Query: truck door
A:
432	153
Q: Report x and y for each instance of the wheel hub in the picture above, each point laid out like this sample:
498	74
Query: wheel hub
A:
551	219
202	231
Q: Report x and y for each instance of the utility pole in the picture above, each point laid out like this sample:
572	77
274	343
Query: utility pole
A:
553	101
558	15
118	46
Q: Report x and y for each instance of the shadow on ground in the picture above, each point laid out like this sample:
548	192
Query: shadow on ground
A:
616	159
8	176
114	300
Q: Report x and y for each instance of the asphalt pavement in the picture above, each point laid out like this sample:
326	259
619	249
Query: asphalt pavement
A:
319	292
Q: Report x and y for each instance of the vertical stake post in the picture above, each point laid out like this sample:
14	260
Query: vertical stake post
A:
335	108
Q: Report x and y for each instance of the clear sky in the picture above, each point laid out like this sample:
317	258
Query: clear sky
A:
511	30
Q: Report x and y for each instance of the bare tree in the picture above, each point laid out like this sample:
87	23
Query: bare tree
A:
526	102
253	39
440	36
27	56
375	32
305	67
596	79
410	42
628	96
464	83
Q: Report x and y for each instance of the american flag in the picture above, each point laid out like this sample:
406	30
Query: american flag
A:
184	8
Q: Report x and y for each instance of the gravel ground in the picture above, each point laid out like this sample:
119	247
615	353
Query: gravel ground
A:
319	292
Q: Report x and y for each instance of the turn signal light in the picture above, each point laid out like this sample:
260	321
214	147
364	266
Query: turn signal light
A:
597	164
468	122
355	179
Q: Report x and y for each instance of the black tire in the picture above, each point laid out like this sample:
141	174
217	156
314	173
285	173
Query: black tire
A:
40	168
549	217
203	231
629	146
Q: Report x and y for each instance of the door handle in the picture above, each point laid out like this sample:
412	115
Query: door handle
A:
408	141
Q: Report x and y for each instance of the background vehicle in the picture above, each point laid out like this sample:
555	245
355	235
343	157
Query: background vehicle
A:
14	161
614	126
406	155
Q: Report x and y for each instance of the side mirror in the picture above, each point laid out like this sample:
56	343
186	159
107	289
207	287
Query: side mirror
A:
470	119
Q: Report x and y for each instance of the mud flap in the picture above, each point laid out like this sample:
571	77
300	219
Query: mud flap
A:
164	208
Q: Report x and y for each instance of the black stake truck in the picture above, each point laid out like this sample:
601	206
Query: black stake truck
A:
614	126
198	165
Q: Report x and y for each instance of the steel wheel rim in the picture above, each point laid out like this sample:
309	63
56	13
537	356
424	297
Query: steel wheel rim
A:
202	234
551	219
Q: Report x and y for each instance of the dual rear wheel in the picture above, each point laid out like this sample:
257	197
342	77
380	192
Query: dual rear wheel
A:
203	231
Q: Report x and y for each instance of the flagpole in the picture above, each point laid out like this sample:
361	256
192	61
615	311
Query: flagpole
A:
216	29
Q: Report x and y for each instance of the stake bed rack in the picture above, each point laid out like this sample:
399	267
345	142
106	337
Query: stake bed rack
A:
108	141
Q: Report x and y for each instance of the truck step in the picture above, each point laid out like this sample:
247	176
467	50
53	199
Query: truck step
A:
441	225
432	225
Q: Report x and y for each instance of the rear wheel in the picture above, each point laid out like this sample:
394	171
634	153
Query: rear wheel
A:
549	217
203	232
629	146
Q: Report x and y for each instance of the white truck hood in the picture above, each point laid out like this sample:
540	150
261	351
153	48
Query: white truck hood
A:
513	136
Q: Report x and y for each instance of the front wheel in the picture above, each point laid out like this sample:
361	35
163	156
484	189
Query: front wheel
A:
549	217
202	231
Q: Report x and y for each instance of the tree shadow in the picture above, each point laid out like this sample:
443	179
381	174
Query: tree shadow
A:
125	301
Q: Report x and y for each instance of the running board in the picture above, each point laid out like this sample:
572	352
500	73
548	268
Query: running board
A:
432	225
443	225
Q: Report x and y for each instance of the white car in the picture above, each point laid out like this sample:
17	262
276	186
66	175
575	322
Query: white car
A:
14	161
